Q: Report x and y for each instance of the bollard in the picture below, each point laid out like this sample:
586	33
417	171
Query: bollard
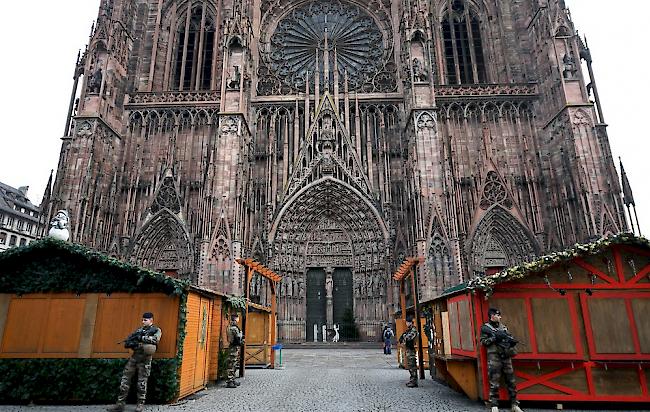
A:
278	347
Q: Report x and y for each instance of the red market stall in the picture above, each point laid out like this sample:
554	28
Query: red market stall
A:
580	316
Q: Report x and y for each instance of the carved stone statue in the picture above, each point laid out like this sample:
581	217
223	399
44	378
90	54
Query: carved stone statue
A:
420	74
235	78
59	226
569	67
95	81
336	333
329	286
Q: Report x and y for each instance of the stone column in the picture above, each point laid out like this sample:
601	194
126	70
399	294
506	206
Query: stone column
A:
329	287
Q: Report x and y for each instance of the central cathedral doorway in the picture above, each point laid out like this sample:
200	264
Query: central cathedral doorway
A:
330	302
343	309
316	304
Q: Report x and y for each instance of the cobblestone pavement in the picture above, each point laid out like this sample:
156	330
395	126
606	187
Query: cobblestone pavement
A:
314	380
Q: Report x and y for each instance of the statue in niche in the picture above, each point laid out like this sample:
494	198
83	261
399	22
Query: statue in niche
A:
235	78
301	290
327	131
329	286
420	74
336	333
569	67
95	81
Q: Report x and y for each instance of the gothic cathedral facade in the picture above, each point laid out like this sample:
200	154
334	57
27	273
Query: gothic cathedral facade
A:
329	140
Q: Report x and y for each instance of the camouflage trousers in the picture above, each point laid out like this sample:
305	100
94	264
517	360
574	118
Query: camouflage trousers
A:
412	365
141	364
233	357
498	366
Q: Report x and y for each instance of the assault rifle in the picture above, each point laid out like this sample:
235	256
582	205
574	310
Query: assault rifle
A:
506	342
134	340
505	339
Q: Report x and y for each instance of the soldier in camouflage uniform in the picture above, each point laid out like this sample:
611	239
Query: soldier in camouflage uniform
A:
143	343
493	335
235	342
408	339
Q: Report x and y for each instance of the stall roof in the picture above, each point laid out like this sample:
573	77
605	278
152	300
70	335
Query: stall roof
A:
487	283
405	268
51	265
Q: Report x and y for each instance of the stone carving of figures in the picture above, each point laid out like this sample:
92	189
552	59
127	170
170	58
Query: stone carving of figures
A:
235	77
95	81
59	226
420	74
301	289
569	67
382	285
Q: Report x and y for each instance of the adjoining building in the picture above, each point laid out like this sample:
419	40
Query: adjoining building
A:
330	139
20	219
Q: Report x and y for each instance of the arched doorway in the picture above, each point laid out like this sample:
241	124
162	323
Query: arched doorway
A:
330	243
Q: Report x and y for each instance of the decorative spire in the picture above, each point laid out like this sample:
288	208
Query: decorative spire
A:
326	63
628	198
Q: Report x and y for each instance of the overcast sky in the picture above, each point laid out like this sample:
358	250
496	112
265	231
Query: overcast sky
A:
39	55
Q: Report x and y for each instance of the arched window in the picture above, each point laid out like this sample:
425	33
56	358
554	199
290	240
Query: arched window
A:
463	49
440	264
194	50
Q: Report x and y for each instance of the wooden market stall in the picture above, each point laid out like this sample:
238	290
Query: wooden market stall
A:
581	318
259	322
408	269
64	308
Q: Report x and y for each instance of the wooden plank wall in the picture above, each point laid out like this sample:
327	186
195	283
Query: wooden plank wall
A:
218	320
258	348
196	347
66	325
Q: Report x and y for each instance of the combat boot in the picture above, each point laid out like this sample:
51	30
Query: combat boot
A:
231	384
237	383
412	384
516	408
139	407
118	407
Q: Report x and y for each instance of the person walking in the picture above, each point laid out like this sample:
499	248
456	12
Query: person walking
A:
408	339
235	343
387	335
143	343
500	346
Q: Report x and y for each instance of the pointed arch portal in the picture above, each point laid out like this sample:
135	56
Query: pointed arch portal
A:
164	244
329	241
500	240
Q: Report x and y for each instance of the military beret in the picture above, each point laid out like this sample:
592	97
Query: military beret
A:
493	311
147	315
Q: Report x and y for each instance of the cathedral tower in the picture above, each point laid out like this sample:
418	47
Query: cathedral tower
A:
330	139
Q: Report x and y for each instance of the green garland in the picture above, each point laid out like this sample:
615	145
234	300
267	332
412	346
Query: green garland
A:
79	380
51	265
236	303
182	321
487	283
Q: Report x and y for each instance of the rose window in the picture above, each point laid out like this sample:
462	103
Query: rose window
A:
299	42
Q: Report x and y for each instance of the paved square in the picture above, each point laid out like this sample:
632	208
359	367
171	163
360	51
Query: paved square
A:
313	380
